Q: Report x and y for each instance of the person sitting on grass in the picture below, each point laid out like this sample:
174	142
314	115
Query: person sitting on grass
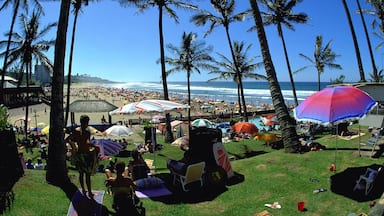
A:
121	186
138	168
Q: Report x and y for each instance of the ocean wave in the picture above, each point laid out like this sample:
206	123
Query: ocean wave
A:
216	90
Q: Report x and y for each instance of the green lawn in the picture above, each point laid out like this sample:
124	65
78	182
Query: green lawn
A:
270	175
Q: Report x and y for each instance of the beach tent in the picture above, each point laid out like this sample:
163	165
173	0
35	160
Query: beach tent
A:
90	106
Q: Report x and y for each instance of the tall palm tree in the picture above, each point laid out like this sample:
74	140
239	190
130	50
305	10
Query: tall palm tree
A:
161	6
57	173
27	45
287	123
16	6
246	66
76	9
323	57
280	13
379	7
191	56
355	43
226	10
374	68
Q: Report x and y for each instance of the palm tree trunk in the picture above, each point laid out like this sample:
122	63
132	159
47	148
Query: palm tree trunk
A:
168	130
26	100
280	30
5	64
69	79
239	98
189	102
374	68
57	173
318	81
287	123
355	43
238	73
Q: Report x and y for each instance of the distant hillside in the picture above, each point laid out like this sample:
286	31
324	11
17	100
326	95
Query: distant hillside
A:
88	78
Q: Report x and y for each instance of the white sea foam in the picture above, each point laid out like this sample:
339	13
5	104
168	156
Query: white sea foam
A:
215	91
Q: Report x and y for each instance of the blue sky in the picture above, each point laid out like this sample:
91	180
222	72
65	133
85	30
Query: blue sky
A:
118	44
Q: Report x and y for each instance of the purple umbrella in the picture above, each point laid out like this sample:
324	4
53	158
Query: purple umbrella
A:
108	147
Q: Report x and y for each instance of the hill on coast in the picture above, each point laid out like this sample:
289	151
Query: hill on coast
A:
81	78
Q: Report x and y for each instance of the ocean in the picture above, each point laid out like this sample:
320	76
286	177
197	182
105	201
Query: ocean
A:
256	92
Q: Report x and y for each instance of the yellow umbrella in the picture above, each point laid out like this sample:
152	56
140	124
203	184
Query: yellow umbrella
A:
45	130
91	129
267	137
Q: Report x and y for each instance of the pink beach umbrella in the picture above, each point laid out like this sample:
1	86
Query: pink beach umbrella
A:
334	105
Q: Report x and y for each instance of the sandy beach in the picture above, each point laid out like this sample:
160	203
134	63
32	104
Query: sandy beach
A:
39	114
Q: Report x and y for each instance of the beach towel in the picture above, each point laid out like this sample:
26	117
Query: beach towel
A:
153	192
82	205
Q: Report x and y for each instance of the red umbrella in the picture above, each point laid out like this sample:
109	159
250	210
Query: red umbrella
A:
245	127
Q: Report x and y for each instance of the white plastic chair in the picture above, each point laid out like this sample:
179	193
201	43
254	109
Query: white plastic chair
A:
366	181
194	173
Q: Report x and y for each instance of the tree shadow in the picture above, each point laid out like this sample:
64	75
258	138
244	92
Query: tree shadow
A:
343	183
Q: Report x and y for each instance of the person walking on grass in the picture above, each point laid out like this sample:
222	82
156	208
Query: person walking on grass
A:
85	153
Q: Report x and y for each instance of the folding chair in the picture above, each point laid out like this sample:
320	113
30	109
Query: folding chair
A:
194	173
374	140
366	181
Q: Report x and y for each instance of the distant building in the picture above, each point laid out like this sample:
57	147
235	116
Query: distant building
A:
42	74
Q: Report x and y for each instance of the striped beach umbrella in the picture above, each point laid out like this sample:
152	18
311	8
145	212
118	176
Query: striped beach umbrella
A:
203	123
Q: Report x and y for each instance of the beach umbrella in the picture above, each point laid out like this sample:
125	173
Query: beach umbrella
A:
108	147
203	123
91	130
119	130
267	137
269	120
334	105
245	127
149	106
45	130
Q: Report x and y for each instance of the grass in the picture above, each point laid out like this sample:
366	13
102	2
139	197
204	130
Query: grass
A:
270	175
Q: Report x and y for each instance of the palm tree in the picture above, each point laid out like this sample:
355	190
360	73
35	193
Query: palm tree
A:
355	43
76	9
374	68
245	65
161	5
16	5
57	173
280	13
323	57
226	10
191	56
379	7
287	123
27	45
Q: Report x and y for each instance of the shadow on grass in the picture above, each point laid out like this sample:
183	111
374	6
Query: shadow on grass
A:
343	183
196	194
82	204
247	153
